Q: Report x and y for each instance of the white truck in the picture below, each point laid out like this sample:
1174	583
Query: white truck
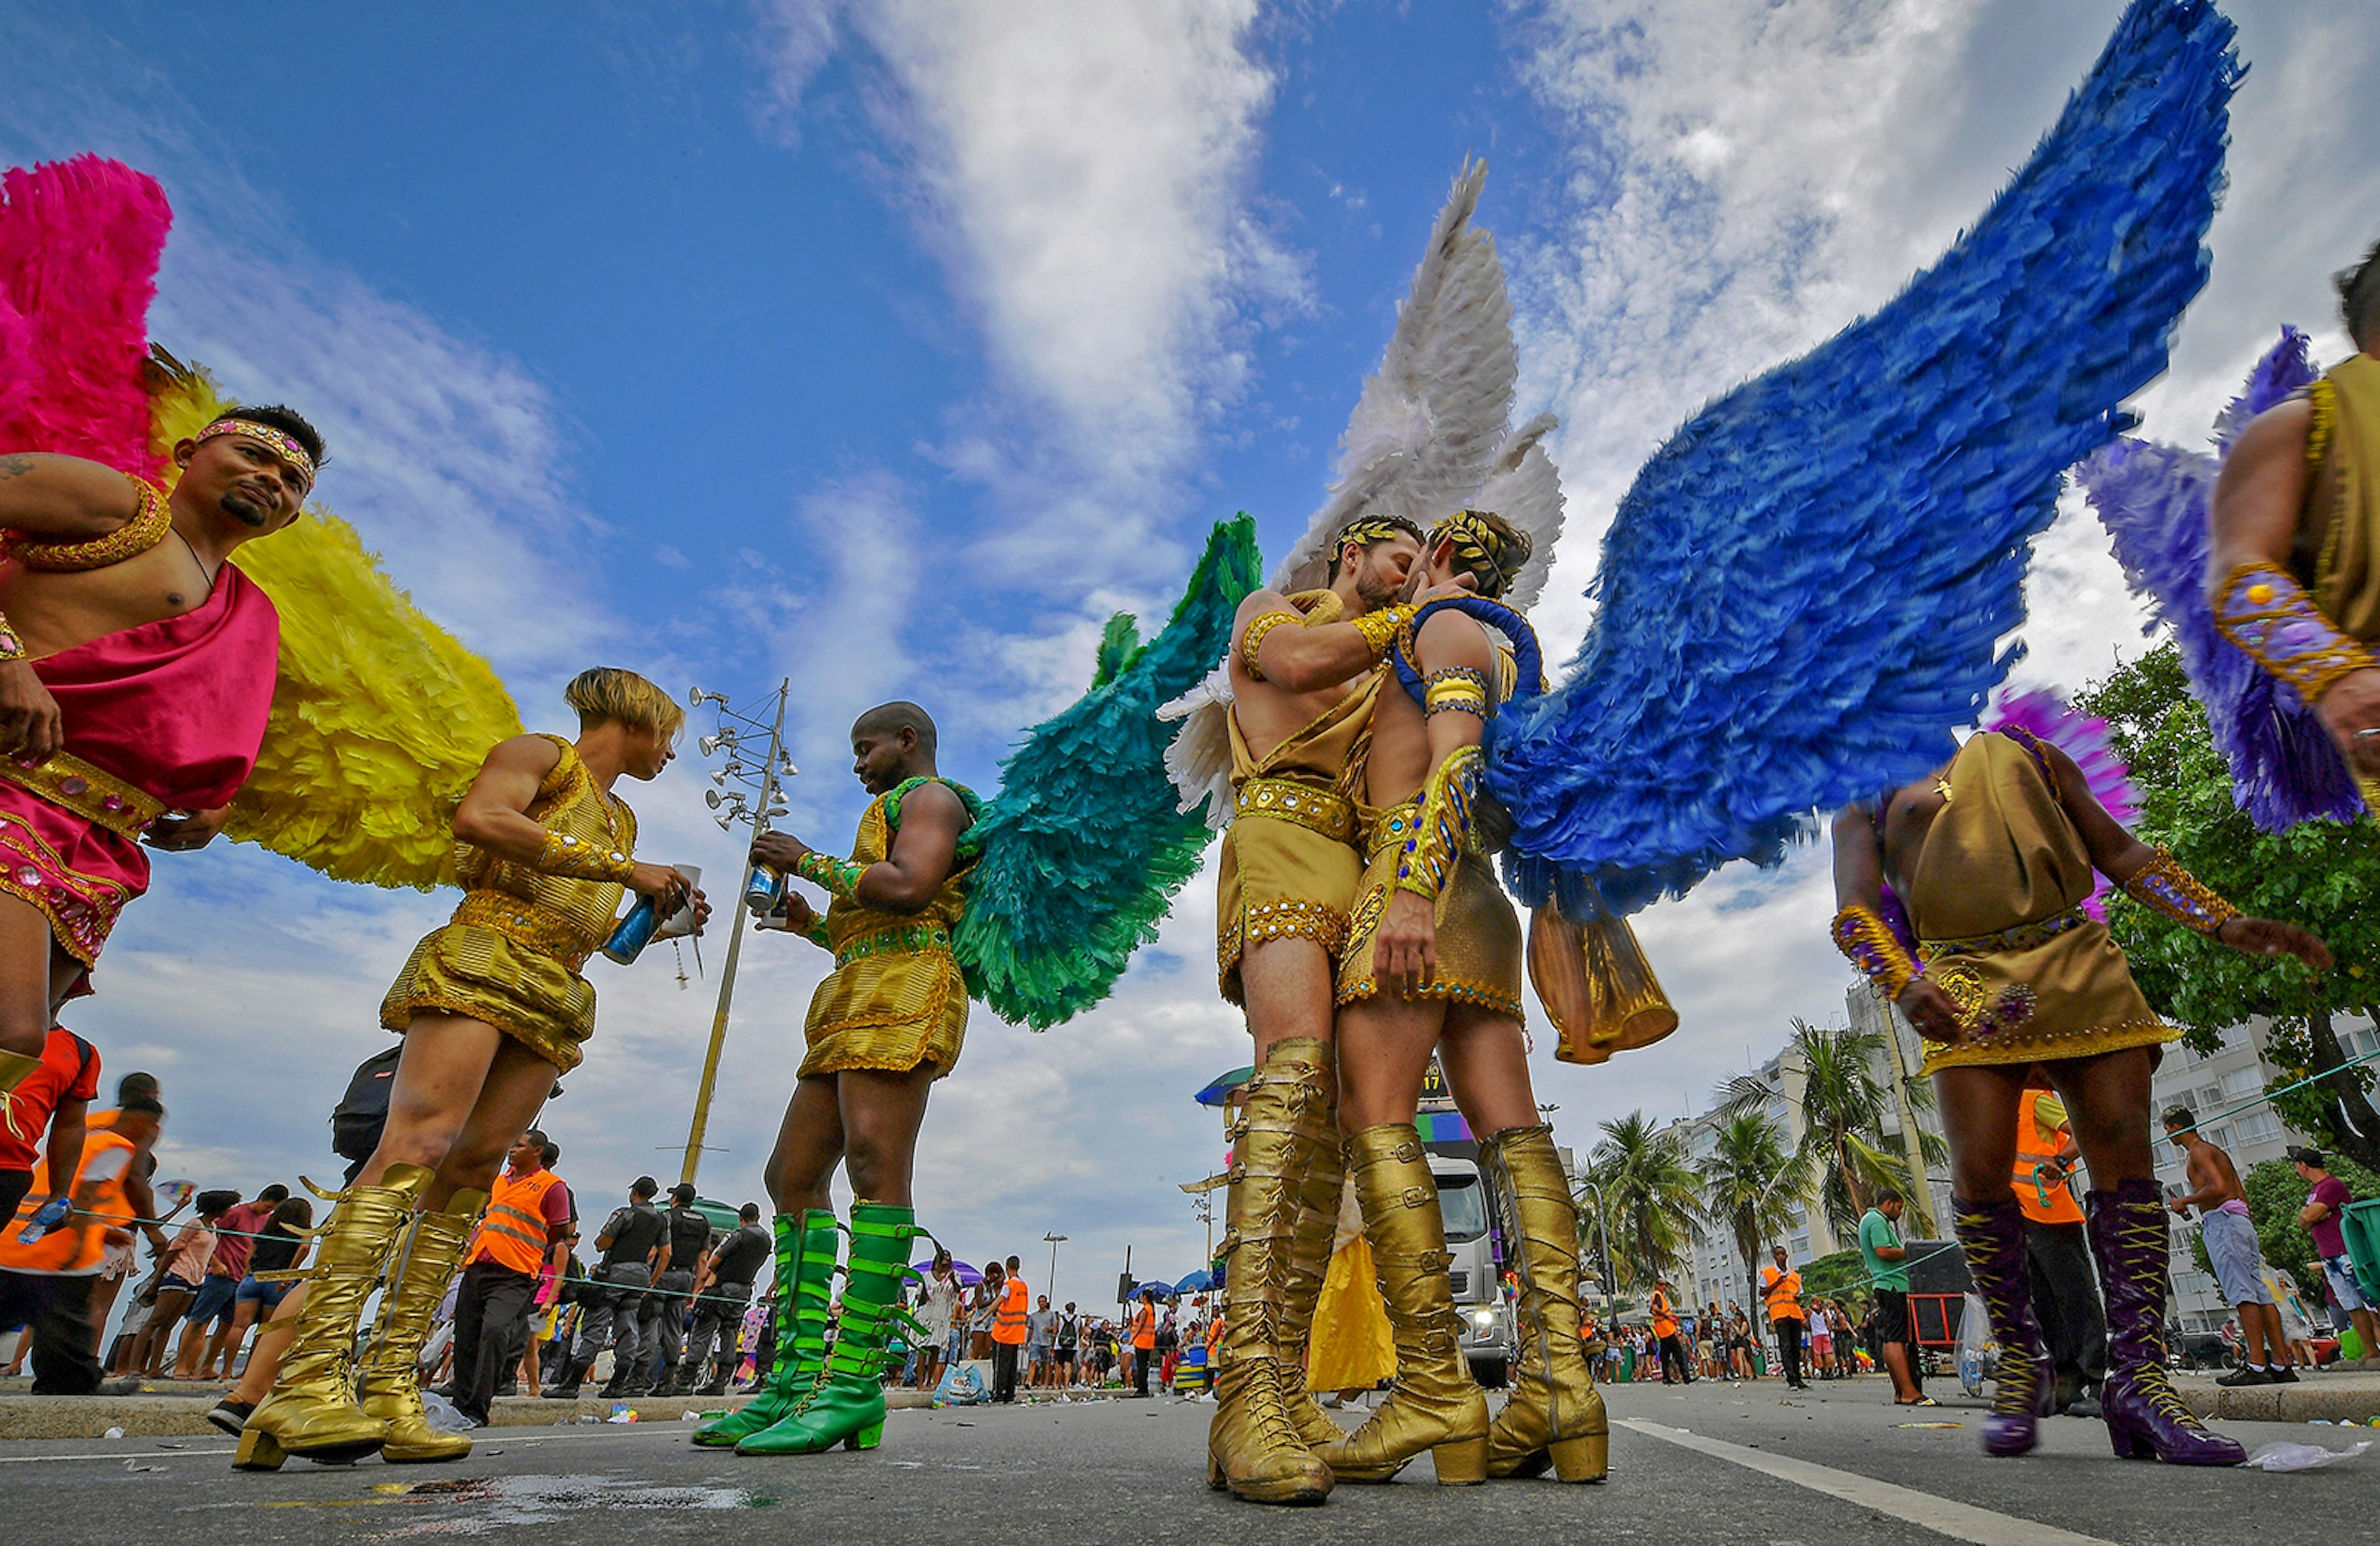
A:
1486	1320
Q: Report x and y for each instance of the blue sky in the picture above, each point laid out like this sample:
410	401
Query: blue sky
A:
893	345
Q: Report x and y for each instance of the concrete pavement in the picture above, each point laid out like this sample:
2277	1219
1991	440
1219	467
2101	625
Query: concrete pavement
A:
1710	1463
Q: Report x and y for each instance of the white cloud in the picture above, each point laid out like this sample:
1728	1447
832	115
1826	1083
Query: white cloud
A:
1079	167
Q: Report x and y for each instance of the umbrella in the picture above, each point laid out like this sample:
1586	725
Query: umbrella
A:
968	1277
1220	1089
1197	1283
1164	1289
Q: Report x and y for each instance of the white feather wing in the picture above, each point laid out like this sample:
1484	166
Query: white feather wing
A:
1199	760
1427	428
1525	487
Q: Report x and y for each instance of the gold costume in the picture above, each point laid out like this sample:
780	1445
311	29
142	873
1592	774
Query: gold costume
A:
2338	541
511	955
1996	898
1289	869
1478	932
895	999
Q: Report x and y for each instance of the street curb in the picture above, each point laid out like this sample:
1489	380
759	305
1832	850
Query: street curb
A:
2350	1398
164	1416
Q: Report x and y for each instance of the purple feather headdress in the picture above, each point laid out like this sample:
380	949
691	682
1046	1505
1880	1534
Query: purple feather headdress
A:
2152	499
2084	737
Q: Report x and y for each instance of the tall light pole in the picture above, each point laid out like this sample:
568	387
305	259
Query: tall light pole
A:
1912	1144
737	733
1054	1240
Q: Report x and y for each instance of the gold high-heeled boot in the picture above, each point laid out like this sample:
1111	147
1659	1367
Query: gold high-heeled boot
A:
391	1383
1555	1414
1252	1447
312	1411
1323	1164
1434	1404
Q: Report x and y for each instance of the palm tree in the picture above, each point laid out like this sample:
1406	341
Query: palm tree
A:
1752	1184
1843	1108
1651	1194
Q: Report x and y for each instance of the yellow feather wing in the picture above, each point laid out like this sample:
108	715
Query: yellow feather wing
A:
380	717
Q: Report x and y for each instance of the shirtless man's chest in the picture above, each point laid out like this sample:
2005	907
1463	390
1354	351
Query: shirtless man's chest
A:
54	610
1908	815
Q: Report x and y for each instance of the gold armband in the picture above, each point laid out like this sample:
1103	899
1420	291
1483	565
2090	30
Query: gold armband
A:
567	855
1442	830
1253	640
2262	609
2163	885
1870	945
1381	628
1458	689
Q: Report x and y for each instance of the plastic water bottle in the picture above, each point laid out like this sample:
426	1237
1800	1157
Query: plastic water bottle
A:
766	889
47	1217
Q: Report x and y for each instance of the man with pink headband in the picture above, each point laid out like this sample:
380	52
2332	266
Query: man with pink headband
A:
137	668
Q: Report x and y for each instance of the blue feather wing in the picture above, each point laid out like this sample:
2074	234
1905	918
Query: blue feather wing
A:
1082	846
1803	592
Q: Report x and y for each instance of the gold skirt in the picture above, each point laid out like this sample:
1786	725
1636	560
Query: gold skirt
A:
1280	880
2062	988
892	1012
1479	938
466	970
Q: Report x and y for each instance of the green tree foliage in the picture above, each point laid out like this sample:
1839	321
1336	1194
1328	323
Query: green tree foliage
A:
1842	1275
1752	1182
2320	874
1650	1195
1844	1109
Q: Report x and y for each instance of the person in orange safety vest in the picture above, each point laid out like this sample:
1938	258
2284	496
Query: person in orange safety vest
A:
1008	1329
1781	1289
2057	1248
1144	1341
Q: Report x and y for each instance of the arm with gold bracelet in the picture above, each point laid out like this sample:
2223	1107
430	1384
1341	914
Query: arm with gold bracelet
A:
1307	647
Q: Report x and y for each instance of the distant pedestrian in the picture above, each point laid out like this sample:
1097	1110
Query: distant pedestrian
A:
941	1312
1040	1339
2239	1261
1781	1291
2326	1200
2057	1248
1144	1341
522	1235
1008	1332
667	1307
46	1283
206	1326
723	1289
1888	1270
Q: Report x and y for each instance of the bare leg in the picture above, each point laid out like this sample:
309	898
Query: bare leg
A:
809	1145
1288	985
1896	1361
102	1305
26	945
882	1113
2108	1099
1384	1047
1485	1060
256	1384
444	1066
1978	1108
515	1090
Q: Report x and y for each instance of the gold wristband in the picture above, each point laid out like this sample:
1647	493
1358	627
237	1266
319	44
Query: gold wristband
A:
2163	885
1381	628
2262	609
1870	945
1253	640
11	647
567	855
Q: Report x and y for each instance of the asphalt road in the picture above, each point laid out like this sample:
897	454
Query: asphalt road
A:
1694	1465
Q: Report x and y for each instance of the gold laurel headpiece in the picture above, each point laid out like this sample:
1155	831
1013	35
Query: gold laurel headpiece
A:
285	446
1364	530
1493	557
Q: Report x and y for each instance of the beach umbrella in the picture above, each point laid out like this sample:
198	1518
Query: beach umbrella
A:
1218	1089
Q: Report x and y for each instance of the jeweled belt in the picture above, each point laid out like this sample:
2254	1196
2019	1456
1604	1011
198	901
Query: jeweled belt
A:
908	940
2024	936
1323	810
527	924
94	794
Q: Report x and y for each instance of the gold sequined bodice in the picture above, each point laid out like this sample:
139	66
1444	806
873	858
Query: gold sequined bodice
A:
578	914
848	919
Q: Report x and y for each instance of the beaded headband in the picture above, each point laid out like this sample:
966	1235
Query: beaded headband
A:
283	446
1484	550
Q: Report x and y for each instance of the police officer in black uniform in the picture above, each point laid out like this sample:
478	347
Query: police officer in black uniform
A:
723	1287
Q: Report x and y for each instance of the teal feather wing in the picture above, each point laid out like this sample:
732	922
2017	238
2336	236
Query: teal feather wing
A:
1083	847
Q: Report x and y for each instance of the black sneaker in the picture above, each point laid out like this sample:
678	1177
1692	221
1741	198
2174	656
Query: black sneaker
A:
2280	1374
2246	1374
231	1416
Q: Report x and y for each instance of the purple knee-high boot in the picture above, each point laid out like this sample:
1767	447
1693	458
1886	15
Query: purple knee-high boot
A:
2144	1416
1992	1233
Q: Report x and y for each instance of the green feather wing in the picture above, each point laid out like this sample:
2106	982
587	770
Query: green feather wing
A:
1083	849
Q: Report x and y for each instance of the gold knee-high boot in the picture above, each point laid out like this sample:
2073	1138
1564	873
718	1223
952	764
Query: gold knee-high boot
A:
312	1411
1323	1164
1252	1447
1556	1414
1435	1405
391	1385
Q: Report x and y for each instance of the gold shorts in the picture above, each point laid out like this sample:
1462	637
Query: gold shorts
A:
891	1011
2062	987
468	969
1478	933
1281	878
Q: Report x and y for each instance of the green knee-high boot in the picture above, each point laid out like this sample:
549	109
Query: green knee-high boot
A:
804	1289
847	1406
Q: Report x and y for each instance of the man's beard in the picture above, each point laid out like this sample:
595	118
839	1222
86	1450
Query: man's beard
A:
1371	589
242	509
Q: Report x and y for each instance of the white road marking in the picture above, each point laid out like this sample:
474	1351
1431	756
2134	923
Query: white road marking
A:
489	1436
1960	1521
